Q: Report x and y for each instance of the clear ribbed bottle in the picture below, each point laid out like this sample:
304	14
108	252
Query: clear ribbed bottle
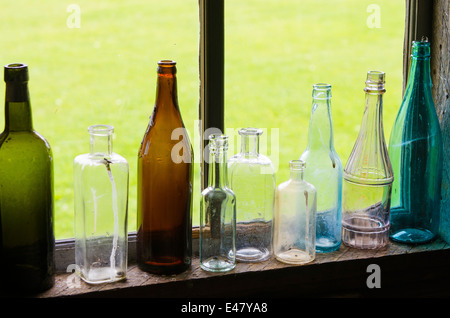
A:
368	176
252	179
324	171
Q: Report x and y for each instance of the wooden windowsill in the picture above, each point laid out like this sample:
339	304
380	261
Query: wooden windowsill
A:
406	271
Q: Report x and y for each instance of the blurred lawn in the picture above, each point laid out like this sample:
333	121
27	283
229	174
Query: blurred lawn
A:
105	72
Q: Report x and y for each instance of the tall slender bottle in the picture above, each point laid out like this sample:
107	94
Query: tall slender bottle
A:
26	193
324	171
367	185
217	250
416	153
164	220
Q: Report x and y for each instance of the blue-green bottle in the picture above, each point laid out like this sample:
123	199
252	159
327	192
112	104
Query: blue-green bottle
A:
416	154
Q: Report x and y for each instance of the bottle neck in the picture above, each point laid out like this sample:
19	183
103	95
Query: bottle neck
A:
166	86
320	134
372	123
419	74
297	174
17	107
100	140
250	145
218	169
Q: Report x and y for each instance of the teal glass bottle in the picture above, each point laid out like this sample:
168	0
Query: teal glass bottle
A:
324	170
416	153
26	193
217	250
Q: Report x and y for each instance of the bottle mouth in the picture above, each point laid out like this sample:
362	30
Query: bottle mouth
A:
421	48
218	142
167	63
101	130
297	165
375	82
321	91
250	131
16	72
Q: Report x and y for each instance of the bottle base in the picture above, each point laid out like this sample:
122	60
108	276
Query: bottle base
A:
217	264
163	269
102	275
294	257
326	245
252	255
412	236
365	233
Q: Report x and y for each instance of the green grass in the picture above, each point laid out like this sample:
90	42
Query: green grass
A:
105	72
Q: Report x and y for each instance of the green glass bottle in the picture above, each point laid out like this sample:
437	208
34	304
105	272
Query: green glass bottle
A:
26	193
416	153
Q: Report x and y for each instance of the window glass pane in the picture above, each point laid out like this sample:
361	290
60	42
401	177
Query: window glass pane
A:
276	50
94	62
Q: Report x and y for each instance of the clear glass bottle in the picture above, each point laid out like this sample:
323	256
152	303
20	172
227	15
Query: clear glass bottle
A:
165	181
217	212
27	250
294	236
416	154
366	194
101	208
252	179
324	171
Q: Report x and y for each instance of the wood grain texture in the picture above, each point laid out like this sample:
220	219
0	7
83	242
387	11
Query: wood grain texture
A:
440	71
417	271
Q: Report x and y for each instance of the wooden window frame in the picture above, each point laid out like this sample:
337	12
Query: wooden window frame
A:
408	270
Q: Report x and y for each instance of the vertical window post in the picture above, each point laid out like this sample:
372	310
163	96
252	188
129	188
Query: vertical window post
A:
212	62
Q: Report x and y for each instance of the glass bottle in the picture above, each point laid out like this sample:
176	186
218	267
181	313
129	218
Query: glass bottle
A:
252	179
164	191
416	153
294	238
217	212
368	176
324	171
101	209
26	196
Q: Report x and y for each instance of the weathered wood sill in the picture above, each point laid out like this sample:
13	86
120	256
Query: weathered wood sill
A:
406	271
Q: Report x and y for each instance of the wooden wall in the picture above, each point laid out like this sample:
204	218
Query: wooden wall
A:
440	70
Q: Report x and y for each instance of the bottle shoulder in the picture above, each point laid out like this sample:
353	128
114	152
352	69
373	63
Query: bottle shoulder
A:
296	186
216	193
25	142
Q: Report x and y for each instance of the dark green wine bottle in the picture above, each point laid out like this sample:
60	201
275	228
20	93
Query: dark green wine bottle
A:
26	194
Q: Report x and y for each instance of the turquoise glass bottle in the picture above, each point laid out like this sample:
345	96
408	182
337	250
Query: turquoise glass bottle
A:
416	153
324	170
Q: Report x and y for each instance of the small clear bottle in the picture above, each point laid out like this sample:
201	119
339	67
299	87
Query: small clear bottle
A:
294	237
217	251
368	176
324	170
101	207
252	179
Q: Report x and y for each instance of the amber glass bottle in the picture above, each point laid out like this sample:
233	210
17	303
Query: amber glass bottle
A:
164	219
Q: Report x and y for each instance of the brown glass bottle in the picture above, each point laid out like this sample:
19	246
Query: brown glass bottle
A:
164	219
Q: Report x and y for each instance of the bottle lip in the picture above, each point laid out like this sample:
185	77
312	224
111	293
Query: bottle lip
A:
167	63
16	72
297	164
218	142
375	82
421	49
101	130
250	131
321	91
